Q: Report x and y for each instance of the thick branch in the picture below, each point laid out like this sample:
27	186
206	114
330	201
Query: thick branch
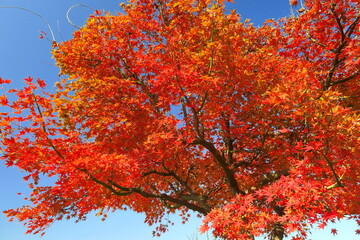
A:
229	141
162	197
230	176
338	21
199	198
277	232
125	191
184	110
164	174
343	43
337	178
336	62
272	177
352	27
195	112
345	79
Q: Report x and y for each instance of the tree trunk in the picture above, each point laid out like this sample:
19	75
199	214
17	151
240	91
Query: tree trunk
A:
277	233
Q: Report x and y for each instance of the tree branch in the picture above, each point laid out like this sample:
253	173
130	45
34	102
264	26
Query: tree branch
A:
45	130
338	180
199	198
338	21
351	28
125	191
229	141
153	98
345	79
343	42
272	177
229	174
162	197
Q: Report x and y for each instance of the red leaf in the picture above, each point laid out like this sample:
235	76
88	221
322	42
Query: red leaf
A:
4	80
28	79
322	225
294	2
284	130
308	148
41	83
3	100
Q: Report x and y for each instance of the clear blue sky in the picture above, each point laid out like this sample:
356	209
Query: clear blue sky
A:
23	54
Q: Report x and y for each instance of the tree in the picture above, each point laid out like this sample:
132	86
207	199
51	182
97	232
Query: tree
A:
179	106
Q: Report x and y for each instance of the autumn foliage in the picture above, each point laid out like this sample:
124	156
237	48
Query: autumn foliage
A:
180	106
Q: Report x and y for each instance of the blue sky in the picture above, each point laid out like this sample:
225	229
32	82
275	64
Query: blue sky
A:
23	54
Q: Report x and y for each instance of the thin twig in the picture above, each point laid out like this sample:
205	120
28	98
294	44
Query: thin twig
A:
338	180
45	130
71	8
37	14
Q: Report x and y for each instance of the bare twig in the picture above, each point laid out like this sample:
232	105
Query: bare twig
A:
37	14
71	8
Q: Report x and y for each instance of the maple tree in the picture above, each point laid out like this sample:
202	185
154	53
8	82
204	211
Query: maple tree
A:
177	105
